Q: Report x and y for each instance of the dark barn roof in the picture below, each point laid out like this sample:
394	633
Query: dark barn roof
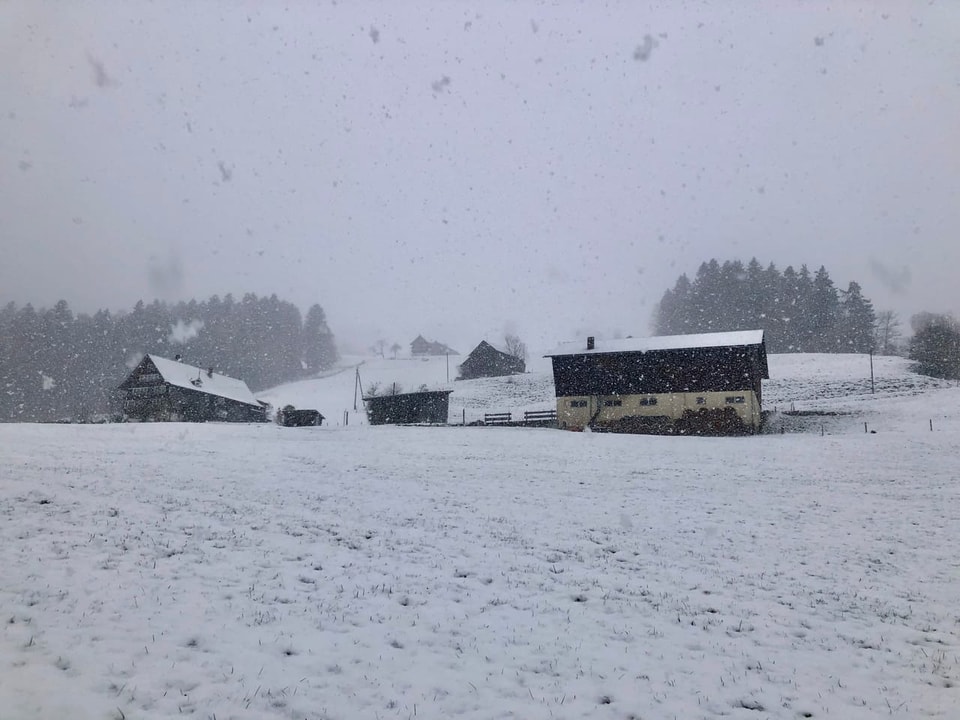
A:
487	361
709	362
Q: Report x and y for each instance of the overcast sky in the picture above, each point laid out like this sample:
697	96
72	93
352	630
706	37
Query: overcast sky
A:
458	169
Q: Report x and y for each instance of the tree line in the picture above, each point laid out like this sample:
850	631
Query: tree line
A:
56	365
798	311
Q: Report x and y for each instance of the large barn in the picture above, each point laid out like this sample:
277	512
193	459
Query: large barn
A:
487	361
159	389
688	384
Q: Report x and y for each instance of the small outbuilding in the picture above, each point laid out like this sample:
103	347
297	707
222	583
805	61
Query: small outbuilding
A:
289	416
425	407
687	384
159	390
488	361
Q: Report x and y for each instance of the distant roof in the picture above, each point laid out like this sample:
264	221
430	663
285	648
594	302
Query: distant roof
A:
663	342
185	376
499	349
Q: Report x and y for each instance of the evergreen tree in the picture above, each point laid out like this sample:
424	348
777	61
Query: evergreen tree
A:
857	318
936	345
791	311
824	314
319	348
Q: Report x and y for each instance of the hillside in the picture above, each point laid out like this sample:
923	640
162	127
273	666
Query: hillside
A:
806	382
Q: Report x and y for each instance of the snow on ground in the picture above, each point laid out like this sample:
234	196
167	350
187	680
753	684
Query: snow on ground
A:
334	394
252	571
805	382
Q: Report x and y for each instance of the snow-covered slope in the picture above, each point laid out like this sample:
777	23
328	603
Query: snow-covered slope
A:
335	393
832	383
253	571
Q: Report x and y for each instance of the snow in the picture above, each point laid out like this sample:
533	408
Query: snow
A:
185	376
253	571
663	342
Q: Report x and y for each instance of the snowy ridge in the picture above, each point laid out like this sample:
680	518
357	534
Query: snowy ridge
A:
254	571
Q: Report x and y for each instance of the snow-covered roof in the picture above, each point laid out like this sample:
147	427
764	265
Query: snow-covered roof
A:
185	376
663	342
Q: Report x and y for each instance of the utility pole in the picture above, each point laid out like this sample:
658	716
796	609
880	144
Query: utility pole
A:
448	367
356	385
871	373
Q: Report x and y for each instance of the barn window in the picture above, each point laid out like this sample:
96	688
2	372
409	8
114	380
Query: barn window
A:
735	400
578	403
648	401
701	401
612	403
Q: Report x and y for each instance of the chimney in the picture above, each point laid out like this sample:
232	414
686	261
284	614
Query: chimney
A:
590	342
210	372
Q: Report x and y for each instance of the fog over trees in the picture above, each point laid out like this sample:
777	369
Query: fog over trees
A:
798	311
55	365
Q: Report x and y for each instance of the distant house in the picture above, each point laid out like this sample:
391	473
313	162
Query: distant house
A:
487	361
159	389
429	406
687	384
421	347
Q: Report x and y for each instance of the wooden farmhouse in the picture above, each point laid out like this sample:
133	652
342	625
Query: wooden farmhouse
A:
686	384
421	347
159	389
488	361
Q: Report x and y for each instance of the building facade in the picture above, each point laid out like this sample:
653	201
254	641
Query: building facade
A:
425	407
159	390
687	384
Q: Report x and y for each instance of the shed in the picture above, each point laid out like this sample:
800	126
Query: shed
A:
488	361
290	416
708	383
429	406
159	389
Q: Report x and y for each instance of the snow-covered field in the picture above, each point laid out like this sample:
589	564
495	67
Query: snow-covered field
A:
242	571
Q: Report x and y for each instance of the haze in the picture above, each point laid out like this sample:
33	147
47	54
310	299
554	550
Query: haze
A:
459	170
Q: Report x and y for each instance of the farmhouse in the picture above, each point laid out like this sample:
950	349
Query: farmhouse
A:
420	347
688	384
159	389
488	361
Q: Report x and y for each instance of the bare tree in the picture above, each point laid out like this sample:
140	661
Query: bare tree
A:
379	348
395	348
887	332
515	347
